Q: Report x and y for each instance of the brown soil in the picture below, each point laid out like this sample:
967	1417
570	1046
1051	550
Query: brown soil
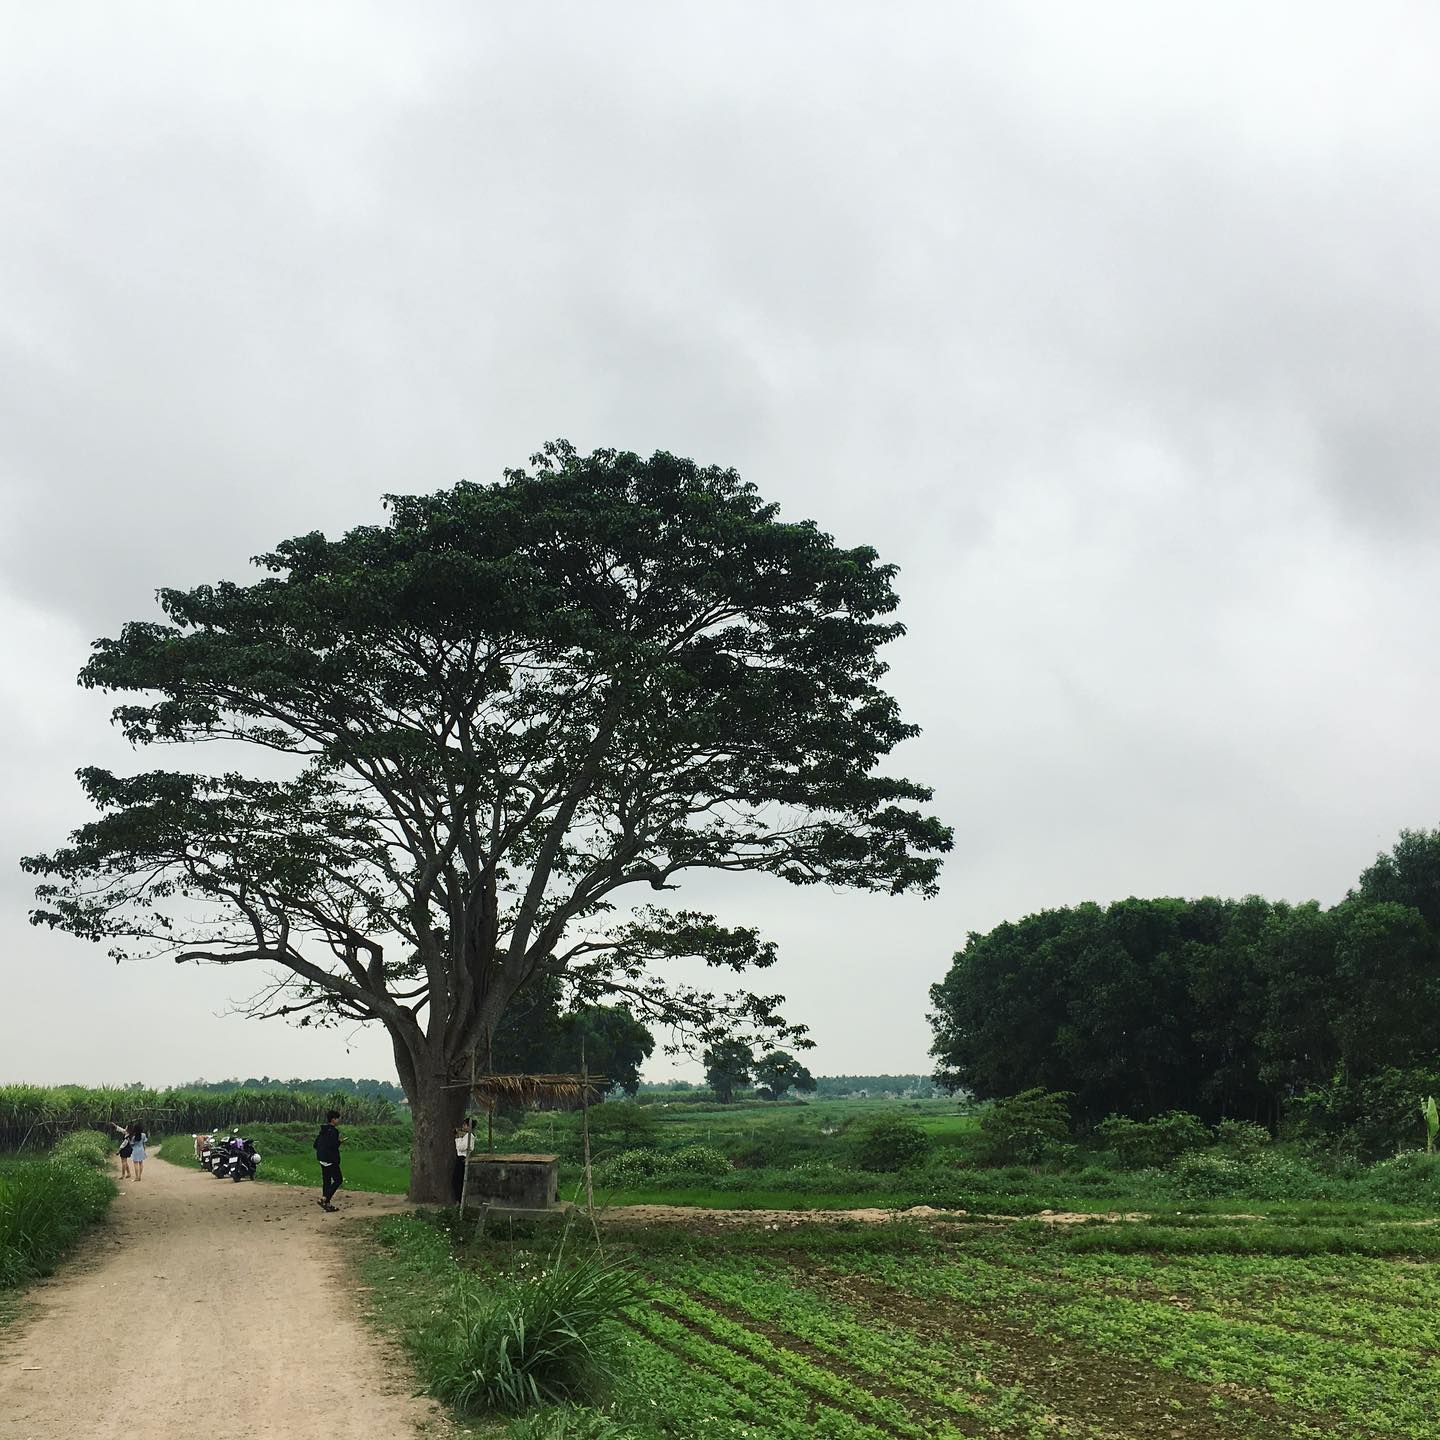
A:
206	1307
702	1218
699	1215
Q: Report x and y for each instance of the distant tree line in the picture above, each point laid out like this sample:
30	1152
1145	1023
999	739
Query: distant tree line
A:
918	1087
332	1085
1217	1007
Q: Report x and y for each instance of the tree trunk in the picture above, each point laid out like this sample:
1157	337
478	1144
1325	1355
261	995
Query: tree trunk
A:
437	1108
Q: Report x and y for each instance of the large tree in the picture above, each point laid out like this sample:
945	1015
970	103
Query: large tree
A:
728	1064
497	717
779	1071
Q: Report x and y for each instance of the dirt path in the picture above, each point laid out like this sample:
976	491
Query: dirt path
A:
207	1308
700	1215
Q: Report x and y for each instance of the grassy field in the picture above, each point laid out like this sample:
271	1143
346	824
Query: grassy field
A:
802	1157
1280	1298
1102	1331
376	1157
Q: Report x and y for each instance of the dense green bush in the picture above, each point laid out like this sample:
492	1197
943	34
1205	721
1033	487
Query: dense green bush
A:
894	1142
622	1124
699	1160
634	1169
1029	1127
511	1343
44	1207
85	1147
1205	1175
1241	1139
1369	1118
1144	1144
1409	1179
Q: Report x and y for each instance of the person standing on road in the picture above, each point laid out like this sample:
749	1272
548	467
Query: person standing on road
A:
125	1148
464	1149
327	1152
138	1139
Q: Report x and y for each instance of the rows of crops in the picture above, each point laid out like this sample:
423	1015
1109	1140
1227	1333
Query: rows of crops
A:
990	1335
34	1115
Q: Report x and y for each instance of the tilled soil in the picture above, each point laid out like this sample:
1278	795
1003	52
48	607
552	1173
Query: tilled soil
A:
207	1308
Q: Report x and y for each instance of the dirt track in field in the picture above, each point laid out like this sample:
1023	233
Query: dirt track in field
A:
696	1215
207	1308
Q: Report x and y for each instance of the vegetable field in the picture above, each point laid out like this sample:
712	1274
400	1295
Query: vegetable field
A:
1007	1334
1187	1330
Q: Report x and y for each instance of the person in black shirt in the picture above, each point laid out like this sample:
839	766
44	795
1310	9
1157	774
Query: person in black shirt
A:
327	1152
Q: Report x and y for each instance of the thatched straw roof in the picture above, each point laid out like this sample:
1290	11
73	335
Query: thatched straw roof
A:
563	1092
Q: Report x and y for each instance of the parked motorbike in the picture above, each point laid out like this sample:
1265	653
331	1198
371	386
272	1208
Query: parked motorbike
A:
244	1162
230	1157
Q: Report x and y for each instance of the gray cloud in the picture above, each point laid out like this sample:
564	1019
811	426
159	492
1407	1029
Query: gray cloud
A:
1113	325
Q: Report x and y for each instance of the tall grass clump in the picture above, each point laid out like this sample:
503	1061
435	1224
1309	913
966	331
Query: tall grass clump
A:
44	1207
519	1341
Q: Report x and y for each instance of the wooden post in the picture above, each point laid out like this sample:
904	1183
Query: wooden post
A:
490	1108
585	1131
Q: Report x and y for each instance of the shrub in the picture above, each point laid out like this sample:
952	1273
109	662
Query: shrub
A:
85	1147
622	1124
1031	1126
1241	1139
1369	1118
703	1160
633	1169
1409	1179
1145	1144
44	1206
1203	1175
895	1142
517	1342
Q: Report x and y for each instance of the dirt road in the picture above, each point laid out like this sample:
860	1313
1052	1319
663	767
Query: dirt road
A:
207	1308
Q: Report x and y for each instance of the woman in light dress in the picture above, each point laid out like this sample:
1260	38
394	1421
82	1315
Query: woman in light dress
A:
138	1140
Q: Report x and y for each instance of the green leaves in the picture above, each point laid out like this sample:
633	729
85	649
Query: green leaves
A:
494	717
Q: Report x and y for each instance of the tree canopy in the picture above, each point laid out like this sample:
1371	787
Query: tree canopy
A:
1218	1007
495	720
538	1036
778	1071
728	1066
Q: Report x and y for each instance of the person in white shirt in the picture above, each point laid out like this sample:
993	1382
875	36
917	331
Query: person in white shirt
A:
464	1149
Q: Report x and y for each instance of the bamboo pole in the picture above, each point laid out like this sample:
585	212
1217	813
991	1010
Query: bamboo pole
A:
585	1132
490	1108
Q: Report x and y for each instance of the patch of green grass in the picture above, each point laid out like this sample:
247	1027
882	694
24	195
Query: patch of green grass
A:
374	1158
496	1328
46	1204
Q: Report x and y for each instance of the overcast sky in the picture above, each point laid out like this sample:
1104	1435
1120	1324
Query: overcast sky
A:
1114	325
